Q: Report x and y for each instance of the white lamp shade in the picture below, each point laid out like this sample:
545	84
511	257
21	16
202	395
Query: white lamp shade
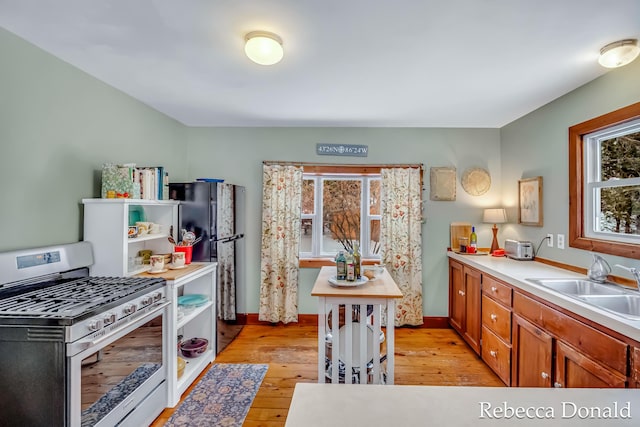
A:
263	48
619	53
495	216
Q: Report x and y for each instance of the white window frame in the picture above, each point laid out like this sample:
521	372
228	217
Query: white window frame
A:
593	181
316	217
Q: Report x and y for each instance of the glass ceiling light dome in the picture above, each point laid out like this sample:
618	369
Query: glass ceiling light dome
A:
263	48
618	54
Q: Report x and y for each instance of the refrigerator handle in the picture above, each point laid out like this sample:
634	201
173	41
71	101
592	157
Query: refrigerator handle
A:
176	231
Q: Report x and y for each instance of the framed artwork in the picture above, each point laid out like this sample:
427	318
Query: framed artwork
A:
530	201
442	183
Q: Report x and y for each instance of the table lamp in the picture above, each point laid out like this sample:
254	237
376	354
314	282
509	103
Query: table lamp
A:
495	216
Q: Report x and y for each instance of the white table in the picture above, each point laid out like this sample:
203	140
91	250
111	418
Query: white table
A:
330	405
353	335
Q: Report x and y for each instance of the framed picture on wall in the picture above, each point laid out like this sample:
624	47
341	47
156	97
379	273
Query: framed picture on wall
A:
530	201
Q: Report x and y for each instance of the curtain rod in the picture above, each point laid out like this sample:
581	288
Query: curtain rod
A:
390	165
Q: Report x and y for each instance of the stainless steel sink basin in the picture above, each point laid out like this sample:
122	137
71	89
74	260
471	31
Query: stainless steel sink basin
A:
627	305
579	286
609	297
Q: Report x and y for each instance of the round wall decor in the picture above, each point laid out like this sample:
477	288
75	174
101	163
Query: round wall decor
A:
476	181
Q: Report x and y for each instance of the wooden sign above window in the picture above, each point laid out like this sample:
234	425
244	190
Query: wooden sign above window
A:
342	150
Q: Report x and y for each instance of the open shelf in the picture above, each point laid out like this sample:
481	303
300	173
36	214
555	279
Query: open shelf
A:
192	314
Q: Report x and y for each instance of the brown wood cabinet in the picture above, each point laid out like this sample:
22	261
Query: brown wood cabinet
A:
496	327
529	342
635	368
457	300
584	356
574	369
464	302
532	355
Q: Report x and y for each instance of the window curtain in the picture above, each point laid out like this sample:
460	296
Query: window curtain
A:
226	254
281	210
401	239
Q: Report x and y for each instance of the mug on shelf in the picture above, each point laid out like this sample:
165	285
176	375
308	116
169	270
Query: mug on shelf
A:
157	263
143	227
187	250
178	259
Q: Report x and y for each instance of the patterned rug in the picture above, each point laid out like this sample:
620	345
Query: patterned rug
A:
221	398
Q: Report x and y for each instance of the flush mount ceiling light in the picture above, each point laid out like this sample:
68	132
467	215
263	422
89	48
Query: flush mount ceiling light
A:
619	53
263	48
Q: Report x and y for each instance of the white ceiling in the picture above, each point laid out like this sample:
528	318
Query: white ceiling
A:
371	63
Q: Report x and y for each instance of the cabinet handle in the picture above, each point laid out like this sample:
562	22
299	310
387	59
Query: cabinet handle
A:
461	293
544	375
494	289
493	353
557	385
494	317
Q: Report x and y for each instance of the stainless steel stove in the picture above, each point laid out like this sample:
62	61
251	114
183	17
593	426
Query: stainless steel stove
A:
58	324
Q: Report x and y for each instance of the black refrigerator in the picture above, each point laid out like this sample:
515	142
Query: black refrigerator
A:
215	211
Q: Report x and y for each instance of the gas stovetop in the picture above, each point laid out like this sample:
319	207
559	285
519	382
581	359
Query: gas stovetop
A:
78	298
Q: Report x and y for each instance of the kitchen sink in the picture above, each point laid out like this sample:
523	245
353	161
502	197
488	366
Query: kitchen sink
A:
625	305
579	286
607	296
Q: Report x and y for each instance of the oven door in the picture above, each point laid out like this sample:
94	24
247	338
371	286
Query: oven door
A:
120	374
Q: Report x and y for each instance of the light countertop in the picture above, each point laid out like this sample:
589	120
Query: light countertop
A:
381	287
516	273
328	405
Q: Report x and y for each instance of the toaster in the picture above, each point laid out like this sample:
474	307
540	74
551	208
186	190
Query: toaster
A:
519	250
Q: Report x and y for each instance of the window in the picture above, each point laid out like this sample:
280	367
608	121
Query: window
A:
604	183
338	211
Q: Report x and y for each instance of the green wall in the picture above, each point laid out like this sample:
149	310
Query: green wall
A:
236	154
537	145
58	125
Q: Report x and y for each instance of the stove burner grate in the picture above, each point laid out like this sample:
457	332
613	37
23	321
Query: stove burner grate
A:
70	299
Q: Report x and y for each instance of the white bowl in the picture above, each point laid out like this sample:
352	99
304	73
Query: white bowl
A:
376	270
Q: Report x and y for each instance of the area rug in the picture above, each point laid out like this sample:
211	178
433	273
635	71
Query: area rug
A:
221	398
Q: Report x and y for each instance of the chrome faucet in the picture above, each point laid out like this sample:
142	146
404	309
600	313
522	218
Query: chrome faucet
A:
599	269
634	271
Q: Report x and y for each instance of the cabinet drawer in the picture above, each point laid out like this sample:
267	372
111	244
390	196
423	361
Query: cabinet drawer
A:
496	290
497	354
592	342
497	318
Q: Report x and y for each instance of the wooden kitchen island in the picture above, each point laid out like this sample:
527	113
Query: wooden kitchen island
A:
339	353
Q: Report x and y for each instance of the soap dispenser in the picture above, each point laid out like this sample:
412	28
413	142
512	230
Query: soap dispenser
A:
599	269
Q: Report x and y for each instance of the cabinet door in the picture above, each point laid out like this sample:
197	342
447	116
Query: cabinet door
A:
635	368
532	355
456	296
473	317
497	354
574	369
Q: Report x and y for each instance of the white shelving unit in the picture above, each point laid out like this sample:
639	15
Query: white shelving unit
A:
200	322
106	224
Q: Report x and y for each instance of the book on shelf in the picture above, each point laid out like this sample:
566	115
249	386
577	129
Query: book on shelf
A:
137	182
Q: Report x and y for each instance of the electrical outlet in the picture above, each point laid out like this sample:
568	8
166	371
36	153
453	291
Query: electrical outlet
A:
550	240
560	241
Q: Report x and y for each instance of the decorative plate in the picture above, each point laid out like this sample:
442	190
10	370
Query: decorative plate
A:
193	300
476	181
333	281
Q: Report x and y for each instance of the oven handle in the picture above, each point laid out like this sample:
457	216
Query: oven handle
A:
82	346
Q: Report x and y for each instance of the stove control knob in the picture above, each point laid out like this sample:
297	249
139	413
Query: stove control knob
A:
146	301
157	296
95	325
131	308
109	318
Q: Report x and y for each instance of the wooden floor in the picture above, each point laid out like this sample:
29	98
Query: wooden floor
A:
423	357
